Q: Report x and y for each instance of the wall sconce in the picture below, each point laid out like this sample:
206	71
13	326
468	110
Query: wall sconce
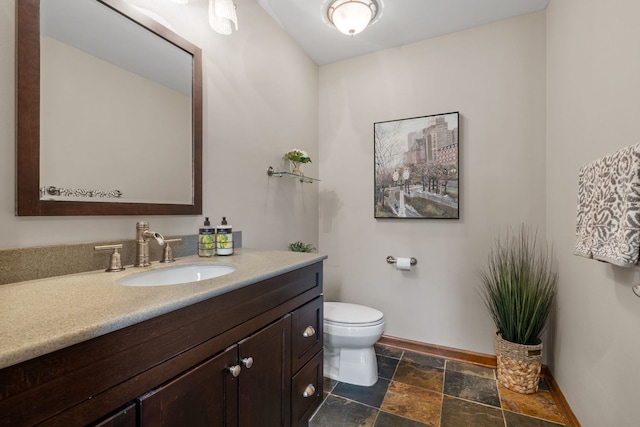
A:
352	16
221	14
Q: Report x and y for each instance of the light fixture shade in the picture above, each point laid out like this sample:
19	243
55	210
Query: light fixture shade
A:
180	1
226	9
352	16
221	14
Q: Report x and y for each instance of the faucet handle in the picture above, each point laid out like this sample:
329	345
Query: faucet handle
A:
167	253
115	262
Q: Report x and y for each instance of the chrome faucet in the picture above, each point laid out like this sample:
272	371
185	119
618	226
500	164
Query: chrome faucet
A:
142	243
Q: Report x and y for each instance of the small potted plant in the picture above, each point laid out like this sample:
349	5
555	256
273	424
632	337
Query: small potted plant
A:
301	247
296	159
519	289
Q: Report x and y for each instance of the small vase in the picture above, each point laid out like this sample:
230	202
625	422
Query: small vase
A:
295	168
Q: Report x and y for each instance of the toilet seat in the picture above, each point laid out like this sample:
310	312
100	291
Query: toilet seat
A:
346	314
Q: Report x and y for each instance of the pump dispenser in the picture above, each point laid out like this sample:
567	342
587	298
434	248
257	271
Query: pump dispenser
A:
224	238
207	239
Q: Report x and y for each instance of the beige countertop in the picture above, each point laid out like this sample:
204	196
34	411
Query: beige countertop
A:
41	316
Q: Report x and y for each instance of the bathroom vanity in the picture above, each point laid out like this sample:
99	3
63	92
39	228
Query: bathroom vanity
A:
243	349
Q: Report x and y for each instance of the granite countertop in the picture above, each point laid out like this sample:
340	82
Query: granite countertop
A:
40	316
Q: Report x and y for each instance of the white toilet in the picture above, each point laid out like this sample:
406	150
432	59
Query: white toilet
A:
350	331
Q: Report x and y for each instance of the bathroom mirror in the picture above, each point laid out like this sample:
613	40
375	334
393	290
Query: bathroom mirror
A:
109	112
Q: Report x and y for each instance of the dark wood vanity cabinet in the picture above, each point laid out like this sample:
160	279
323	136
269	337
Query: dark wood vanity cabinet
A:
248	358
203	396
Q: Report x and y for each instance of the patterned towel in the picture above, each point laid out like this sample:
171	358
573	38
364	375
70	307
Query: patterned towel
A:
608	220
587	201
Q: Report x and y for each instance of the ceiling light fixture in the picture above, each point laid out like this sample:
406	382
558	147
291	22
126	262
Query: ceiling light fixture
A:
221	14
180	1
352	16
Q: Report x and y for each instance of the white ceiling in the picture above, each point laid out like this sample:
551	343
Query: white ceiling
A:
400	22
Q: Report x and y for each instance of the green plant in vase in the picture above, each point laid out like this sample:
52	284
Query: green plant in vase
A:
296	159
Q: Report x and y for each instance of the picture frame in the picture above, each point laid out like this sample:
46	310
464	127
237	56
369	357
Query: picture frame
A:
416	167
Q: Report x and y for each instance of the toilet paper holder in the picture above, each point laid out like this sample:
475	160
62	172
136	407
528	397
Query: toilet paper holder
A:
392	260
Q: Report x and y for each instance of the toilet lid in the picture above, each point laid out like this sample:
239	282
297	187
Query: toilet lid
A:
353	314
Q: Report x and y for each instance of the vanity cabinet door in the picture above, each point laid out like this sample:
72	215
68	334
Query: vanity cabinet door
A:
307	322
206	396
125	417
307	391
265	393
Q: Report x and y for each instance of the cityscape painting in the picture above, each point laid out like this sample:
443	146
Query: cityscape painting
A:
416	167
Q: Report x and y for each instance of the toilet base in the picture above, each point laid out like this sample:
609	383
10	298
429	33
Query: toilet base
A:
357	366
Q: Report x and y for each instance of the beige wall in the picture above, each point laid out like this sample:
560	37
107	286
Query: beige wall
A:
260	100
593	99
494	76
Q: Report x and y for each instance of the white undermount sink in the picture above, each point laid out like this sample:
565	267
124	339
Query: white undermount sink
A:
177	275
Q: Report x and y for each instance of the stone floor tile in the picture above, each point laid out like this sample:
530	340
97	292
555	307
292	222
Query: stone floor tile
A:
463	413
328	384
423	376
386	419
386	366
539	405
517	420
336	411
468	368
372	396
384	350
423	359
471	387
415	403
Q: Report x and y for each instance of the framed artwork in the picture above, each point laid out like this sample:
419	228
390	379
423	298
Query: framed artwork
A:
416	167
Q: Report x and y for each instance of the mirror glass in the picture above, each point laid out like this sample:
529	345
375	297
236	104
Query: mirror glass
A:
119	111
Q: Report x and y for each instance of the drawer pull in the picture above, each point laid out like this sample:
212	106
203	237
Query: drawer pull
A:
234	370
309	391
247	362
309	332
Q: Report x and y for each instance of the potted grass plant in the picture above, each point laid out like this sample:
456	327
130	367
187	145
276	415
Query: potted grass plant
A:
518	287
301	247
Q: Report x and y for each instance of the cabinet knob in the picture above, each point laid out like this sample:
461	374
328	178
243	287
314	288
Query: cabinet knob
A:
234	370
309	391
247	362
309	332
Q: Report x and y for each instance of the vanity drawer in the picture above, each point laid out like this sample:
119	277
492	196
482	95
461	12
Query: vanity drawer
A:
306	332
306	391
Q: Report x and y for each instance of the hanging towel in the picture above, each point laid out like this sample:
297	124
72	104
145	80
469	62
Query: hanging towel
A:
587	204
608	226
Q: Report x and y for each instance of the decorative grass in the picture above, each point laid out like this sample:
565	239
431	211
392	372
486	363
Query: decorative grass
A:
301	247
519	286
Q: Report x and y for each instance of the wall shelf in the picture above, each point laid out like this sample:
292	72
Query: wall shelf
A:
302	178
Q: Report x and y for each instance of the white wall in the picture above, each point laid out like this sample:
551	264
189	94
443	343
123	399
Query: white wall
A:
260	100
494	76
593	105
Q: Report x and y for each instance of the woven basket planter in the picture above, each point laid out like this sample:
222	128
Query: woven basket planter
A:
518	365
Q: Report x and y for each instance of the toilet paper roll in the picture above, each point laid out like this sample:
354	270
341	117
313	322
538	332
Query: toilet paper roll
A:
403	264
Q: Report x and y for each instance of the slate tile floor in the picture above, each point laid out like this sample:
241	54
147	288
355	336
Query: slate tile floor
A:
417	390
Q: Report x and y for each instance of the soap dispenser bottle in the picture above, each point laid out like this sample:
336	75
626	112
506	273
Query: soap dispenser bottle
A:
207	239
224	238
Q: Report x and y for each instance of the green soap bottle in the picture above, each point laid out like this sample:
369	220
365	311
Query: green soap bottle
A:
224	238
207	239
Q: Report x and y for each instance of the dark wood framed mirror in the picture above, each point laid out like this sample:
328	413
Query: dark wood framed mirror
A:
34	196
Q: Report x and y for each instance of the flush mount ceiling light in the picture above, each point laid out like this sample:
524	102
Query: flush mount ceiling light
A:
352	16
221	14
